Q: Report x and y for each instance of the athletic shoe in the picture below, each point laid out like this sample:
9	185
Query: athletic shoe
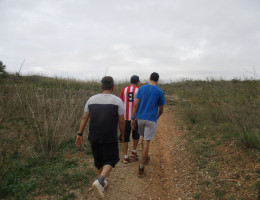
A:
126	160
106	183
147	160
98	189
140	172
134	155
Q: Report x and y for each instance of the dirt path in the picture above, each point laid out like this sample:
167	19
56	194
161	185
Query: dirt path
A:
170	174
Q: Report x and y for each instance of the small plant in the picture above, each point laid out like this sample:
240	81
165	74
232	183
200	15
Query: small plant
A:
192	113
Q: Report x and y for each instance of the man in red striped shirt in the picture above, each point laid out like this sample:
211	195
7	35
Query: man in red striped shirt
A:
128	97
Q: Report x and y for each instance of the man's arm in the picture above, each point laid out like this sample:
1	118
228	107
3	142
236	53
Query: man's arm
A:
121	122
133	125
160	111
83	123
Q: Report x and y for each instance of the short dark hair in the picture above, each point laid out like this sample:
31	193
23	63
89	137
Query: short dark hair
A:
154	77
107	83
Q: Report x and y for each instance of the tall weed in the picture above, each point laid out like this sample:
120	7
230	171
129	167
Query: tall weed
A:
52	114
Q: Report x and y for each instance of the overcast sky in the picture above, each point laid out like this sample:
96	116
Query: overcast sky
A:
87	39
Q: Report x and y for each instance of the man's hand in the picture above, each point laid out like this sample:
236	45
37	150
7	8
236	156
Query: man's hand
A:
79	141
133	124
84	121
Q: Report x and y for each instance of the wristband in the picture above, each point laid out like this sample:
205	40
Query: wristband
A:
80	134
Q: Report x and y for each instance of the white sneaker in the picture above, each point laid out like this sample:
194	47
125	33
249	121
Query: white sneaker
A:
99	189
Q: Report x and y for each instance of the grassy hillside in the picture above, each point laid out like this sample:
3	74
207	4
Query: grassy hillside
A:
233	106
39	118
222	124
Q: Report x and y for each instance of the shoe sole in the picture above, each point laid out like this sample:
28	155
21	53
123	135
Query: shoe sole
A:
98	195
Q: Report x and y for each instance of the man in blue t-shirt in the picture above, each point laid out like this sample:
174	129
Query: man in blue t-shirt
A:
148	100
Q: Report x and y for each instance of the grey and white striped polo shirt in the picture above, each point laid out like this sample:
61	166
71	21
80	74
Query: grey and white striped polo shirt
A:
104	110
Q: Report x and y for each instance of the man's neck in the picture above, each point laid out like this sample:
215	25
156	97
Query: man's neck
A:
133	84
152	82
107	92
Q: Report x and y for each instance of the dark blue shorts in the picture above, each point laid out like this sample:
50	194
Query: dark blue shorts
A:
105	154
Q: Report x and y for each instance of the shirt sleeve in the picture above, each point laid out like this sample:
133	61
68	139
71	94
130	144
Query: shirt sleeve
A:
121	108
161	99
86	107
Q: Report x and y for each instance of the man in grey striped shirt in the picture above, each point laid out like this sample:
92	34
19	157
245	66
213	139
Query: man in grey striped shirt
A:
105	112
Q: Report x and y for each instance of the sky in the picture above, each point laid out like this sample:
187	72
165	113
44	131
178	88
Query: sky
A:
88	39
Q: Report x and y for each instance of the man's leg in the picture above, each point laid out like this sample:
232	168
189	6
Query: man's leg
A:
135	143
106	170
98	171
135	136
144	158
100	184
145	151
120	138
125	148
141	143
126	140
149	132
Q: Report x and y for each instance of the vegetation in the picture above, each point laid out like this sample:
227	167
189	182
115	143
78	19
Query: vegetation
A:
221	119
3	73
233	107
39	117
2	67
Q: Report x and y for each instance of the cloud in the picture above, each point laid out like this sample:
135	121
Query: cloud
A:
84	39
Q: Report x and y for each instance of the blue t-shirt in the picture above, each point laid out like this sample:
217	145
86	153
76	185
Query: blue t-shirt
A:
150	97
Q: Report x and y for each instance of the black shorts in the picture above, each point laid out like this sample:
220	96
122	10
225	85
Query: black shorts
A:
135	134
105	154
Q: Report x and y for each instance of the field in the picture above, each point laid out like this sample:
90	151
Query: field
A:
40	116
